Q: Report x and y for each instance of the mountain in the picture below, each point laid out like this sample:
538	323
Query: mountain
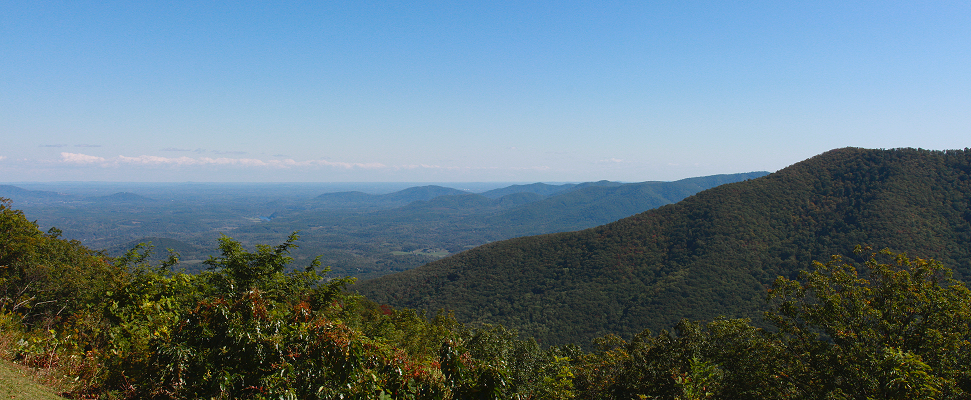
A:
467	201
124	197
541	189
422	193
18	193
401	197
347	198
596	203
7	190
368	244
712	254
526	212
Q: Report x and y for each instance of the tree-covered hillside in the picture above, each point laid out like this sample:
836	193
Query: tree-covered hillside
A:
252	327
711	254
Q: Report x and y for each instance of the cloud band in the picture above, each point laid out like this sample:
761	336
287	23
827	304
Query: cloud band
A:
84	159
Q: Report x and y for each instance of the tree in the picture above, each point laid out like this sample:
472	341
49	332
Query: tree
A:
43	278
723	359
897	329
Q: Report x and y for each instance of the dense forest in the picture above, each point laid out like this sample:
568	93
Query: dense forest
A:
250	327
872	323
713	254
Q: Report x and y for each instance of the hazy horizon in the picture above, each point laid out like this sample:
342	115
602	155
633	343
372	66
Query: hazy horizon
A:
94	188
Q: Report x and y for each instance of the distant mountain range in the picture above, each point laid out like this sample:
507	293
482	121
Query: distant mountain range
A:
356	199
596	203
356	233
457	220
711	254
15	192
124	197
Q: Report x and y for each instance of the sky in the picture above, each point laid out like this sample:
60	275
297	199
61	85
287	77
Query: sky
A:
426	91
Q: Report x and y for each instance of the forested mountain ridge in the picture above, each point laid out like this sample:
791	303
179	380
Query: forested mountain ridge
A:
356	233
11	191
457	222
577	207
542	189
597	203
712	254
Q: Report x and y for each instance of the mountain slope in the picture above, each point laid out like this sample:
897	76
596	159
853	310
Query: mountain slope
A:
399	198
711	254
589	205
376	241
539	188
124	197
18	193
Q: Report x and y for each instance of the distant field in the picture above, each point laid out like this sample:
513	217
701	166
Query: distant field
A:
423	252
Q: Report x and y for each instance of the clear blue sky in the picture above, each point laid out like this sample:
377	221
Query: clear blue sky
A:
331	91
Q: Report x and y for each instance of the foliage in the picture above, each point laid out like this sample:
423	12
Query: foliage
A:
726	359
44	279
48	289
897	329
254	327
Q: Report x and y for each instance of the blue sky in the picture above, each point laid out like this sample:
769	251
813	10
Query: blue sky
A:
332	91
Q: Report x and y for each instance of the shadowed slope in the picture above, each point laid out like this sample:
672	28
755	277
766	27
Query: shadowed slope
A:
712	254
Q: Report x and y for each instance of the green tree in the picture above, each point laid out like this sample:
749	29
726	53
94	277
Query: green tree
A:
898	329
44	279
138	315
723	359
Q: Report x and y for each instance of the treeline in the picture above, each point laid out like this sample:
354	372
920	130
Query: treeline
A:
250	327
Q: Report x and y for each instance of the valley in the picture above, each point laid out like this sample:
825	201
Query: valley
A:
355	233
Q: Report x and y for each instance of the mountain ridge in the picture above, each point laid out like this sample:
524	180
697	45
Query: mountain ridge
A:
714	253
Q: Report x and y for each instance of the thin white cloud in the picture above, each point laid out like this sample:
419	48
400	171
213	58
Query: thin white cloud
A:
145	160
611	161
423	166
155	160
175	149
445	168
75	158
53	145
373	165
87	145
3	158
